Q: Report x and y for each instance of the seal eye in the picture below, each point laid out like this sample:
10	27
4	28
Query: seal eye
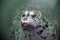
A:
33	16
23	15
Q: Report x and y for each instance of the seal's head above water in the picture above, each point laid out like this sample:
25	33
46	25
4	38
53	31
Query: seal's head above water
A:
30	18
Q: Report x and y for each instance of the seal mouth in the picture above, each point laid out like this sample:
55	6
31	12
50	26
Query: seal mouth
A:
26	24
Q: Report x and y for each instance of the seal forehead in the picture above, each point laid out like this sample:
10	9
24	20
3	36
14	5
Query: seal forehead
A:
26	12
32	13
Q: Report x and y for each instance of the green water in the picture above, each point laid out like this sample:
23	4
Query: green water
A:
49	8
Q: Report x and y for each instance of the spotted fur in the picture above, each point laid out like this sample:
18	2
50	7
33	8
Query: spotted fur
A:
40	30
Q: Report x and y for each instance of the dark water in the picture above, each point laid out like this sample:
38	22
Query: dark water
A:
9	7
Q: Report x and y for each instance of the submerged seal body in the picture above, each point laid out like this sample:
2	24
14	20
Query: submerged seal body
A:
35	27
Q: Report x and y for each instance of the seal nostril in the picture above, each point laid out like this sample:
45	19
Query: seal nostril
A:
25	19
33	16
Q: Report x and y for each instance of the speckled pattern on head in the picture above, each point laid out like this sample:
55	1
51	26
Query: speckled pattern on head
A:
30	25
